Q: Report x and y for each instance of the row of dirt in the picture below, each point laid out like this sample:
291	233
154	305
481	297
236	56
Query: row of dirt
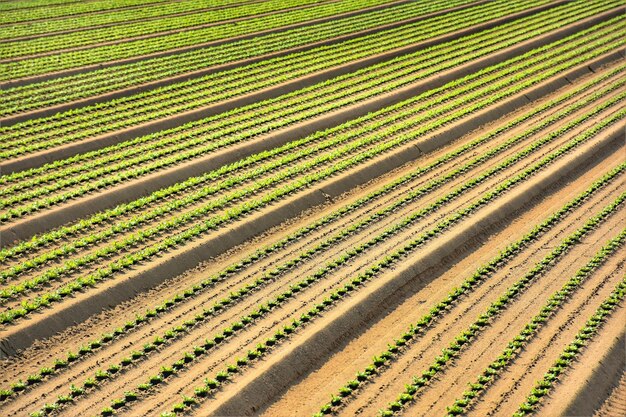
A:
274	311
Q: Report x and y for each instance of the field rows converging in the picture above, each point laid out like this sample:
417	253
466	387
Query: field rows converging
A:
312	207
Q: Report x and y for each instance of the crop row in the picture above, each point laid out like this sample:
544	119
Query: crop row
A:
75	8
66	89
466	337
259	116
556	300
229	52
325	95
120	16
373	271
106	53
180	237
247	289
399	345
591	328
100	81
15	5
69	248
178	221
167	304
254	74
22	139
125	32
191	134
342	89
438	162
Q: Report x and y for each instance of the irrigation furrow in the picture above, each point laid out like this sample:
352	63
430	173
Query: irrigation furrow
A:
13	289
359	213
385	261
421	387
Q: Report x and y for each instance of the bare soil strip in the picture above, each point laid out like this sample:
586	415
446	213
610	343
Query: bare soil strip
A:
27	228
615	404
375	268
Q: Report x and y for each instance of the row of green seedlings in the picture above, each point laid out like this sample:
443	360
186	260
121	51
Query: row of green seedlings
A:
115	179
294	108
222	76
74	264
212	384
122	76
198	28
134	239
150	70
515	346
91	56
153	104
567	357
247	289
197	133
39	205
192	22
483	201
195	26
45	258
60	10
86	21
400	345
194	85
194	290
132	259
74	230
465	338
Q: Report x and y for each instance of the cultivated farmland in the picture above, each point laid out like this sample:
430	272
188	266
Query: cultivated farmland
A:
312	207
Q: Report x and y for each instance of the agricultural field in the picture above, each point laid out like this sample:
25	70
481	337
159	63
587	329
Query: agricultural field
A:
312	208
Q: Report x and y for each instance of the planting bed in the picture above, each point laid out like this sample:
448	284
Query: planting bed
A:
333	207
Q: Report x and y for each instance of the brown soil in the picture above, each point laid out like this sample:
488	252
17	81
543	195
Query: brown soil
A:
301	373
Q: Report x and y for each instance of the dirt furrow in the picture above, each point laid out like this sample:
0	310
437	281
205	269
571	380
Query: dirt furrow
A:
268	261
369	400
615	404
303	270
449	386
512	388
177	351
